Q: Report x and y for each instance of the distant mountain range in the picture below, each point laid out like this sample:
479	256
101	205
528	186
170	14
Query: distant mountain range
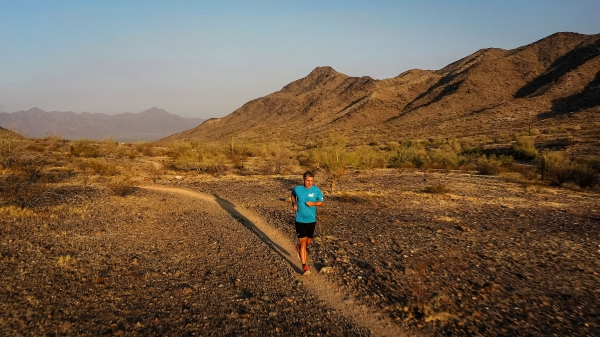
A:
492	92
148	125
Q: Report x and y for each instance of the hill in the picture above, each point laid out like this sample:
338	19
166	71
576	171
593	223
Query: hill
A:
148	125
7	134
492	92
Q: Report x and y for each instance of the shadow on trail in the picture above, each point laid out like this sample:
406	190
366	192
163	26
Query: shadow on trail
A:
231	209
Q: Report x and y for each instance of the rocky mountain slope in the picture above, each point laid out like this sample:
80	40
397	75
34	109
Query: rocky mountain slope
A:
148	125
553	81
7	134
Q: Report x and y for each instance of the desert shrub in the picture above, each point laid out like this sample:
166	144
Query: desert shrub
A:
216	169
10	151
435	142
524	148
122	186
333	157
555	129
562	170
594	163
97	166
188	160
20	191
176	148
195	160
492	165
85	148
22	186
469	146
527	171
155	170
145	149
408	154
35	148
437	189
371	157
280	157
444	157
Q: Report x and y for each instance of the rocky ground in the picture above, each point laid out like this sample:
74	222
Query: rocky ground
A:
149	264
487	257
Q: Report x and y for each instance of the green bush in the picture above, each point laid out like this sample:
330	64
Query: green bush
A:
562	170
524	148
444	158
408	154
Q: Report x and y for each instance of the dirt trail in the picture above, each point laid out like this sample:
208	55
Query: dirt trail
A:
317	284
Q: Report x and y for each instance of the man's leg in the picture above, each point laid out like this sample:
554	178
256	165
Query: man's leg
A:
303	243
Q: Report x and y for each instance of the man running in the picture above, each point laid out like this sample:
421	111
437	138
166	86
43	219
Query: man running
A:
305	200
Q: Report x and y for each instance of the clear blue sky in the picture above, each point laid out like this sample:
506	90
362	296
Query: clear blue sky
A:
207	58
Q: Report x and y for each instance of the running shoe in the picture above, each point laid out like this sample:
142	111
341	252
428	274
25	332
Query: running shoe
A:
305	270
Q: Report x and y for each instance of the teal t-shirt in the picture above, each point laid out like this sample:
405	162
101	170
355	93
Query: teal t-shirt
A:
307	214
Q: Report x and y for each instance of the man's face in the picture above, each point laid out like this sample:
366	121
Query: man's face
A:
308	181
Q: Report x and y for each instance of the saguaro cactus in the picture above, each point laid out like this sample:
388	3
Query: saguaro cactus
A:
543	167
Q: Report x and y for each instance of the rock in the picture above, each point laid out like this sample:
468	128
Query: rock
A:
326	270
343	259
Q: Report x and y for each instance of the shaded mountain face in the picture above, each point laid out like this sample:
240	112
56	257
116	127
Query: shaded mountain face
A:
491	91
148	125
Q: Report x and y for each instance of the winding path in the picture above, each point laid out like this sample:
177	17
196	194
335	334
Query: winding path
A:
317	284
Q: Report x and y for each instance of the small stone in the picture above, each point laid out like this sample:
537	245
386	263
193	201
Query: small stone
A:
326	270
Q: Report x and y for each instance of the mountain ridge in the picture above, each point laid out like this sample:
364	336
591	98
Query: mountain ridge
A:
148	125
490	91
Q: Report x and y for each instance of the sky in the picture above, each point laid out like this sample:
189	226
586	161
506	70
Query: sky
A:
207	58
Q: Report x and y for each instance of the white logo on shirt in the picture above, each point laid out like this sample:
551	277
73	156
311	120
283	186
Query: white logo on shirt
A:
311	195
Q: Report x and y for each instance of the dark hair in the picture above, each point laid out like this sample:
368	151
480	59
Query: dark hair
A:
308	174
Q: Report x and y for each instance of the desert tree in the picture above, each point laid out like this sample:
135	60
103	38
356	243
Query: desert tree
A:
333	158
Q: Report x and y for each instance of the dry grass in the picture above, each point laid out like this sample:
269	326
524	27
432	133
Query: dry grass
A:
66	261
122	186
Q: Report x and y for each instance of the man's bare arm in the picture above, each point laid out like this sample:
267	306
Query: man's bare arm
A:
310	203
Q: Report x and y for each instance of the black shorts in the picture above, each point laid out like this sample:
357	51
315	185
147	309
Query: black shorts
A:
304	230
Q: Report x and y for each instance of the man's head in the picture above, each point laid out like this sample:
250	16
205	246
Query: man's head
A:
309	179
